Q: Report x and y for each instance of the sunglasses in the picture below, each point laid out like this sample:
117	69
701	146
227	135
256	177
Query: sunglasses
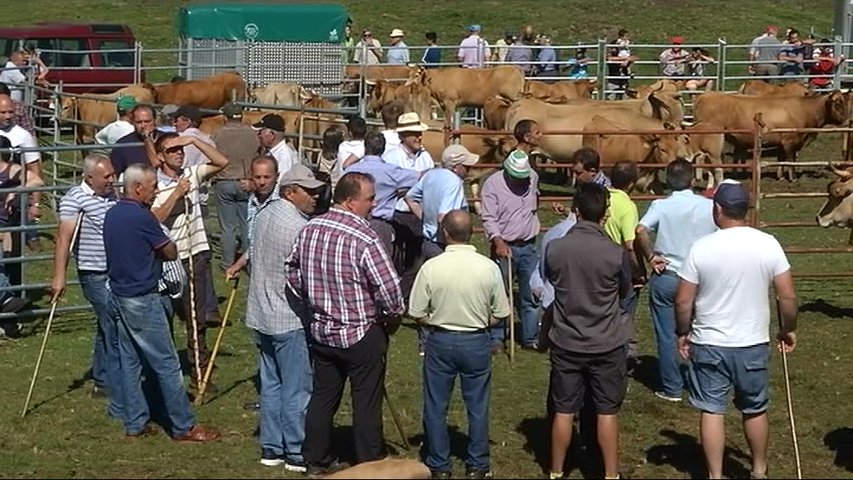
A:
174	149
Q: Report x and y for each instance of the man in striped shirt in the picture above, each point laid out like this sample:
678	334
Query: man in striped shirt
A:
339	267
89	203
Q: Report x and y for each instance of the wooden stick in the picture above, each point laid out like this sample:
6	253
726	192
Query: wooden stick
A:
199	398
49	324
193	319
789	397
511	311
396	416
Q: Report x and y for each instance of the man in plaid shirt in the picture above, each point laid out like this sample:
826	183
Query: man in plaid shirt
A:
342	272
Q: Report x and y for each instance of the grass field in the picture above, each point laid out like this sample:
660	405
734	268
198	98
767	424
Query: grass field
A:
67	434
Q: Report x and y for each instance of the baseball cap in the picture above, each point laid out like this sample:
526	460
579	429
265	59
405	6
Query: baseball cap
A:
473	28
232	110
771	28
169	110
458	155
517	164
125	103
300	175
732	195
271	121
677	40
189	111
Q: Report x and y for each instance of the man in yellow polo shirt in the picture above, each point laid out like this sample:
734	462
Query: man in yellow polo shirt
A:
457	310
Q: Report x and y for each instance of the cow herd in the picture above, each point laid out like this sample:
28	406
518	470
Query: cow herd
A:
506	97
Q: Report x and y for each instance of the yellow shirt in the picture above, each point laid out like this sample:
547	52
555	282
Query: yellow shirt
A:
459	290
622	217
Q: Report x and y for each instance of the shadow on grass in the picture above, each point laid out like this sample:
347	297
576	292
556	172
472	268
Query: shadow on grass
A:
822	306
685	455
840	441
583	455
645	371
75	384
458	443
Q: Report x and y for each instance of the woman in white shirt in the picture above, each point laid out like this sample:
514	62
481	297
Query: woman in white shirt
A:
352	149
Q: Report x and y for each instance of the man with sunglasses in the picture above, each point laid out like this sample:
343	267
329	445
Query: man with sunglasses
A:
178	207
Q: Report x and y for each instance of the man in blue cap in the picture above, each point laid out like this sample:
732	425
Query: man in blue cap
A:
474	51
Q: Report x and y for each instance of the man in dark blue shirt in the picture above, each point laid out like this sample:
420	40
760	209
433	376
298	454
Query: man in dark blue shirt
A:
142	117
135	245
432	55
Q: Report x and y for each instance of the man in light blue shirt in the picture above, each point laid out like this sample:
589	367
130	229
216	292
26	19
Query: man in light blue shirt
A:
439	191
398	51
541	287
679	220
391	181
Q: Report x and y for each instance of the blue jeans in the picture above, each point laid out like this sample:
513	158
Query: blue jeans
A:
286	384
231	209
448	355
662	302
524	263
105	361
144	338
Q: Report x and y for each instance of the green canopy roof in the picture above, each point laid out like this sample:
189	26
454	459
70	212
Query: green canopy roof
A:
268	23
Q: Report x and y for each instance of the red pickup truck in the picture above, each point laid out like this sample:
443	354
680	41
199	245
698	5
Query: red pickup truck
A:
84	57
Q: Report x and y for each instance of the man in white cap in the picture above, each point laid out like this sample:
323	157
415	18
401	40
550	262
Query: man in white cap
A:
510	203
409	154
474	51
398	52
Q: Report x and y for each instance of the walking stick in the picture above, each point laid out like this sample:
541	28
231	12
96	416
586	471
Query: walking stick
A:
53	303
199	399
511	311
193	320
789	398
397	421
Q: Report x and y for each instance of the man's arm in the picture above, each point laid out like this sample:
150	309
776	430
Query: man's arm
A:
489	216
217	162
383	278
233	271
167	251
162	211
419	299
786	297
60	257
684	298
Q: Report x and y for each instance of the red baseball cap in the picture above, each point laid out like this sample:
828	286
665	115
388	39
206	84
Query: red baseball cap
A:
677	40
769	28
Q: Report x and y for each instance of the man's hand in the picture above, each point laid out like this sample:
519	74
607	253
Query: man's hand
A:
391	324
502	250
247	185
233	271
33	212
658	264
57	288
181	141
684	347
558	208
182	187
787	342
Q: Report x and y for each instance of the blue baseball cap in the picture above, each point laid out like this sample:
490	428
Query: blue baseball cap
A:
473	28
732	195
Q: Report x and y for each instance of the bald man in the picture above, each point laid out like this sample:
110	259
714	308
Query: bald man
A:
457	311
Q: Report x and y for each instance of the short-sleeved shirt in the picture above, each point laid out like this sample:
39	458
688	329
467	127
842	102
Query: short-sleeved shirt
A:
89	247
474	52
187	230
421	161
733	269
438	191
432	57
239	143
192	154
114	131
388	180
15	79
621	224
790	67
398	54
538	279
285	155
672	63
767	48
132	235
124	157
459	302
345	150
19	137
679	220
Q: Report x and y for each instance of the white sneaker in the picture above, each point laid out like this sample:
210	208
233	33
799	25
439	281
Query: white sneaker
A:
297	467
667	397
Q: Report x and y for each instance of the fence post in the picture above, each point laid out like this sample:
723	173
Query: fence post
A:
301	129
137	62
837	49
757	125
722	46
57	133
457	123
602	68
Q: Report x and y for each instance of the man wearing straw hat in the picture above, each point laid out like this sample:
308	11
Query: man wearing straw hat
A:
398	51
510	203
722	322
285	368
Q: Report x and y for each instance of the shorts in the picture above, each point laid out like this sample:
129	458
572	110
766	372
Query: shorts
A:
715	371
572	373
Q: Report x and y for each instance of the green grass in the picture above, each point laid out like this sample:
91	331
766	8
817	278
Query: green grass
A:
66	433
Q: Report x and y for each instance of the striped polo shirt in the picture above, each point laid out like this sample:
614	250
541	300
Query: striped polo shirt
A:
89	248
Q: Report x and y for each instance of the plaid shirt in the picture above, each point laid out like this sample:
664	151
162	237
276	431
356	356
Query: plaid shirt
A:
340	268
22	117
254	207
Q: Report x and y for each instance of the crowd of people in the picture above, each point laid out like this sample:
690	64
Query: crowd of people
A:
338	256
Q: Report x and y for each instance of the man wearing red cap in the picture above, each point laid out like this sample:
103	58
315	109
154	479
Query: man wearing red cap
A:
673	60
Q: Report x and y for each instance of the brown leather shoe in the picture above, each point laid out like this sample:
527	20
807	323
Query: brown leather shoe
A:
199	434
149	430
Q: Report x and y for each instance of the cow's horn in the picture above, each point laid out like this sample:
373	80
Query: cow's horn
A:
370	82
844	174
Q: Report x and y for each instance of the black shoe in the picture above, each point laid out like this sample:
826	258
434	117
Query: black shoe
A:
270	458
14	305
440	474
478	474
252	406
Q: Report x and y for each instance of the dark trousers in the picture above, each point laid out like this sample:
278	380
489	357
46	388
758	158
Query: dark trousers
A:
202	283
408	230
364	365
385	230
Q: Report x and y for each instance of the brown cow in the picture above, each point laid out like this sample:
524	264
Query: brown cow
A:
456	87
372	73
760	87
561	91
415	97
494	112
97	113
211	92
661	86
639	148
737	112
838	209
706	147
289	94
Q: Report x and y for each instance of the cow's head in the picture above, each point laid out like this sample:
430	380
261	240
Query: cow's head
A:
376	98
497	148
68	109
838	208
418	74
667	148
838	108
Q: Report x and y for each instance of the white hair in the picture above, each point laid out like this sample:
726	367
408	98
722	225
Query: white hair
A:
91	162
136	173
